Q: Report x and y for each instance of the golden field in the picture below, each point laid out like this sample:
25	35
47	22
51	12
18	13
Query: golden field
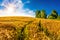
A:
28	28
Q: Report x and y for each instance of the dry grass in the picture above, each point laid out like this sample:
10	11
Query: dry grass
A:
28	28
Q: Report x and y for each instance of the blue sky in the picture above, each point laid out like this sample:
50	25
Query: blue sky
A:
33	5
47	5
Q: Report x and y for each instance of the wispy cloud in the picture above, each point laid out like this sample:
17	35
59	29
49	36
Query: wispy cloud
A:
15	8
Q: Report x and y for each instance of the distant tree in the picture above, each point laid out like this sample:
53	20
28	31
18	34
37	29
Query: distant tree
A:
43	14
53	15
58	17
38	14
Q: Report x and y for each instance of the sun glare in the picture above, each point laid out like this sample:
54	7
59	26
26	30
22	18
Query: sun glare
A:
15	8
10	8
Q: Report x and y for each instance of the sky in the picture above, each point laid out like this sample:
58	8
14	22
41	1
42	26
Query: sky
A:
27	7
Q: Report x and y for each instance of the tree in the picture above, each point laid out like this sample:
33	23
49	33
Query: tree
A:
43	14
38	14
53	15
58	17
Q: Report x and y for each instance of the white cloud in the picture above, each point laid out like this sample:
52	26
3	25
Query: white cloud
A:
15	8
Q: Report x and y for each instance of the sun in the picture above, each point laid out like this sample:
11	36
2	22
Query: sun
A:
10	8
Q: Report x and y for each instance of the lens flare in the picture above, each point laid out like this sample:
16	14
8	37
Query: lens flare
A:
15	8
10	8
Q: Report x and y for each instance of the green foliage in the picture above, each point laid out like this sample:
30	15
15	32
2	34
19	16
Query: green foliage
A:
38	14
53	15
58	17
41	14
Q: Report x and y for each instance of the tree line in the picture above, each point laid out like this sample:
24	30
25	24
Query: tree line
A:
42	14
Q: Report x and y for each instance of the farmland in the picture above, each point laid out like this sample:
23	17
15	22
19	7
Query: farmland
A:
28	28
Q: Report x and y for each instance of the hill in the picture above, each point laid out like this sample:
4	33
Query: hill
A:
28	28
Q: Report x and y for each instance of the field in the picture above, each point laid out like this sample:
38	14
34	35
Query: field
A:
28	28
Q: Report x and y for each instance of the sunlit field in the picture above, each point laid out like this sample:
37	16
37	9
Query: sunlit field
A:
29	20
28	28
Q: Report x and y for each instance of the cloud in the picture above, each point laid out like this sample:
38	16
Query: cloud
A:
28	1
15	8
